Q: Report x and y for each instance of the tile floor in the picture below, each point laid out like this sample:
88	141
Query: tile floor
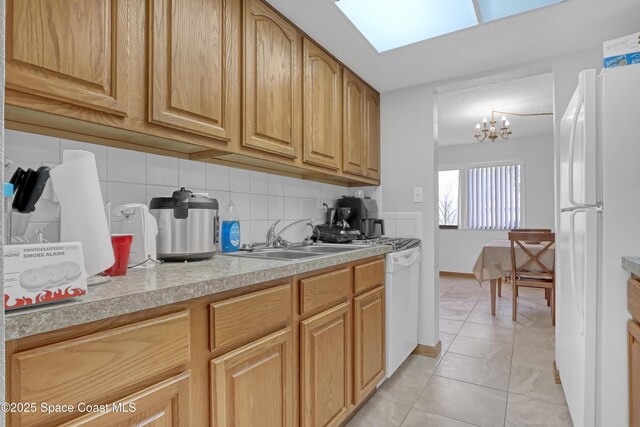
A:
491	372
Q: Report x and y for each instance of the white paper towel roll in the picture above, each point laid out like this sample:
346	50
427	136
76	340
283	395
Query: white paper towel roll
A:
83	219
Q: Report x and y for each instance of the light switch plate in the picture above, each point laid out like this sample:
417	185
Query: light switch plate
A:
417	195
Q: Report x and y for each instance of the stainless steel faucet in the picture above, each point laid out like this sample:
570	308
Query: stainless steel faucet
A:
274	240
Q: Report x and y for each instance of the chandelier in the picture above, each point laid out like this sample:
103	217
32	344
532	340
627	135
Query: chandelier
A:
489	129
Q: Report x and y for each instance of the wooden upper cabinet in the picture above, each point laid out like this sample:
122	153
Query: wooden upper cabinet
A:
322	111
253	385
194	61
369	342
75	51
272	82
372	133
354	150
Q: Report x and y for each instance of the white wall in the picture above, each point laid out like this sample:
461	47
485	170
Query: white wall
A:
459	249
408	161
132	177
2	350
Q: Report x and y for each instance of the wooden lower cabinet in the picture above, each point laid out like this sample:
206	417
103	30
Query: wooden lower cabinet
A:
253	385
325	367
369	342
164	404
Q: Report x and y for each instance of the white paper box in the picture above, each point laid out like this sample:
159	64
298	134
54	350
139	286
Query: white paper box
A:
622	51
43	273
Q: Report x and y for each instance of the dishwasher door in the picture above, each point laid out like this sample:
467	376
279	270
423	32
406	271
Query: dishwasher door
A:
401	305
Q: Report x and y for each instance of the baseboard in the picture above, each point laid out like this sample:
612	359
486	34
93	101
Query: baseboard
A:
428	350
457	274
556	373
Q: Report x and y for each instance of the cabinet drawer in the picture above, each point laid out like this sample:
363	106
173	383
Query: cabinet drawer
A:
325	289
163	404
90	368
633	297
368	276
237	320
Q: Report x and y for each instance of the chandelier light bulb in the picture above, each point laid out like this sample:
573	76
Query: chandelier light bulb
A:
506	123
478	126
504	119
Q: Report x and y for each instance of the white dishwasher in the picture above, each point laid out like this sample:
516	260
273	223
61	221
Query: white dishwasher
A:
402	274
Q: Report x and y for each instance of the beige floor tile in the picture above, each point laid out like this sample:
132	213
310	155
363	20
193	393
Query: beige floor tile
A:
404	386
536	337
535	383
523	411
419	418
454	313
450	326
420	365
458	299
446	339
486	318
492	373
493	333
471	403
535	358
480	347
380	412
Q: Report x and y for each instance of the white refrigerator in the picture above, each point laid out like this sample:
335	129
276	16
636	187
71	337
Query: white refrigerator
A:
598	223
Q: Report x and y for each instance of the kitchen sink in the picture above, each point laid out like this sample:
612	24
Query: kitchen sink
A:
295	252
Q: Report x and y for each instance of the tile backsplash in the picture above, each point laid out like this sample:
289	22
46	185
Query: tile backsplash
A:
131	177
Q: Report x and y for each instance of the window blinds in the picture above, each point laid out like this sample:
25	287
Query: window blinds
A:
493	198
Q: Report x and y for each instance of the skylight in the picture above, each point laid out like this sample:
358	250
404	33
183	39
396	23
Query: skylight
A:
389	24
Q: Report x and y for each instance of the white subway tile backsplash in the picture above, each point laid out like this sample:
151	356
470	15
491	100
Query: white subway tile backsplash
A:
259	207
192	174
405	228
243	204
162	170
290	187
240	181
217	177
390	227
98	151
120	193
276	207
132	177
276	185
28	150
125	166
259	183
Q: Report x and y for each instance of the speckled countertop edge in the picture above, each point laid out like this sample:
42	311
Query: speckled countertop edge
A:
167	284
631	264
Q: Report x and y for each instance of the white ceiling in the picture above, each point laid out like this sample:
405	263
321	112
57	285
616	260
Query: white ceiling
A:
460	110
570	26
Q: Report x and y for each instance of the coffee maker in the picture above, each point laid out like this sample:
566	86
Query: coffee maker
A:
363	216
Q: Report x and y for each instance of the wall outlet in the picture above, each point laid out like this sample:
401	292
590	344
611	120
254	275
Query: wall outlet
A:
417	195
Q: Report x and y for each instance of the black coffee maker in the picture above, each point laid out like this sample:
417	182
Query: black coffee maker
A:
363	216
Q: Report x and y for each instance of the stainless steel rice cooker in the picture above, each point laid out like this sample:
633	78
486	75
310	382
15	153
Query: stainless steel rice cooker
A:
188	226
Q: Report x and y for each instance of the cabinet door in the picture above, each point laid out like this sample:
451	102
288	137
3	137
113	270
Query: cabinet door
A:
325	367
369	342
165	404
372	133
194	67
75	51
272	82
634	373
353	132
252	386
322	118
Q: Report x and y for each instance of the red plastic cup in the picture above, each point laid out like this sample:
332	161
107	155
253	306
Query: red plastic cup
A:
121	247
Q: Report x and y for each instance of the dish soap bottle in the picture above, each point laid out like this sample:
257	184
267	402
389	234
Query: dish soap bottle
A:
230	235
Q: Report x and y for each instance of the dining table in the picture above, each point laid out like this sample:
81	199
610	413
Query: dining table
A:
494	263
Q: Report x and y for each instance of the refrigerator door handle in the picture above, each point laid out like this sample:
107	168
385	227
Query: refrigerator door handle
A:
572	144
572	268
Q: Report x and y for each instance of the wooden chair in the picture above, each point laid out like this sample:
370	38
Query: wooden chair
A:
525	230
533	272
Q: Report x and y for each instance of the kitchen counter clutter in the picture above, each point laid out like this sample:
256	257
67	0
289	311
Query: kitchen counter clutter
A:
166	284
230	341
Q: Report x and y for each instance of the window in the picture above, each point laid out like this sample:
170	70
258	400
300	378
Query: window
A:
448	183
483	198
